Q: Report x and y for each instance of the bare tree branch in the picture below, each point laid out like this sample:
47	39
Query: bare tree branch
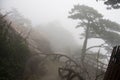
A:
102	45
5	15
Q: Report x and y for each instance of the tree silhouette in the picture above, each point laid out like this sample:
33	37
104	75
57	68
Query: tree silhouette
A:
115	4
86	15
14	52
95	26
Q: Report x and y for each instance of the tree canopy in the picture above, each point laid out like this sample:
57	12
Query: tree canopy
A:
95	26
115	4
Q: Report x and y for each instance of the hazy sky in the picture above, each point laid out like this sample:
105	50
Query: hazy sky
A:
46	11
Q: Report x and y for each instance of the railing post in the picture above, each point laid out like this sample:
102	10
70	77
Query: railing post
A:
113	70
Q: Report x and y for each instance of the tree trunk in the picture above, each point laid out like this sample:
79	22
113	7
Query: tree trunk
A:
85	44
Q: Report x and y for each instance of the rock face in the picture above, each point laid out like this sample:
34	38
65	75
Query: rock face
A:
39	42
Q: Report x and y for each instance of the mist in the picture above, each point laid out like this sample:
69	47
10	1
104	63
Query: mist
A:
45	12
63	37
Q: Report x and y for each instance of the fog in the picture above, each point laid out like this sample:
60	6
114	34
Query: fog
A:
45	26
44	11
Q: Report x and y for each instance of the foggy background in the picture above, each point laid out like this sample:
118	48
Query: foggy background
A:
53	40
42	12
